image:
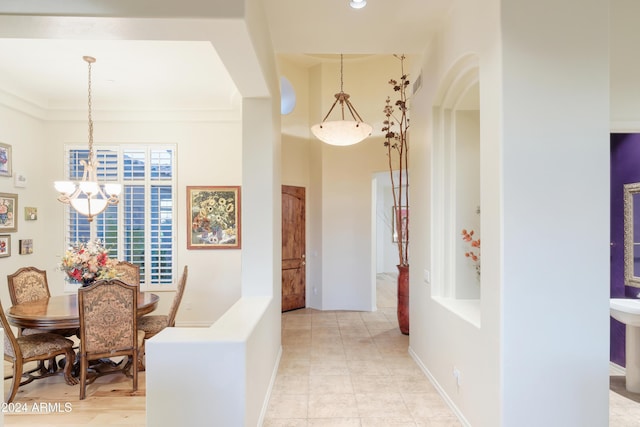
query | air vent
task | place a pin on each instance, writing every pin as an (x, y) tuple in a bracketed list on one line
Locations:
[(417, 84)]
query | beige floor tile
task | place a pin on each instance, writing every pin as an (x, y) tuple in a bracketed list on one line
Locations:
[(374, 384), (449, 421), (414, 383), (426, 405), (388, 422), (329, 367), (291, 384), (368, 367), (296, 422), (387, 405), (334, 422), (287, 406), (333, 406), (294, 367), (328, 384)]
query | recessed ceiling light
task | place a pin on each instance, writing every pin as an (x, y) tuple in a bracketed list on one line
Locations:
[(358, 4)]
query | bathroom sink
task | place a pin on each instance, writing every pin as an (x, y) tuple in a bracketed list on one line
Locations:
[(626, 310)]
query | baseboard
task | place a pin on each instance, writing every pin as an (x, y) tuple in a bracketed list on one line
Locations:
[(439, 389), (265, 404), (617, 369)]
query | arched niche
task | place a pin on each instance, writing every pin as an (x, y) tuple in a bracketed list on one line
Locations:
[(456, 183)]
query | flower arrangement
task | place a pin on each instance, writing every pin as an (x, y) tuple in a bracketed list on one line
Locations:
[(86, 262), (474, 252), (395, 129)]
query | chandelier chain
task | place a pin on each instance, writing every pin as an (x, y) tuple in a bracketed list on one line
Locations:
[(90, 118), (341, 75)]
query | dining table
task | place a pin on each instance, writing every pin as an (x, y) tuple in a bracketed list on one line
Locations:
[(61, 311)]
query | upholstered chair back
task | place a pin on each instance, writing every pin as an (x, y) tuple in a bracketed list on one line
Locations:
[(108, 311), (128, 272), (28, 284)]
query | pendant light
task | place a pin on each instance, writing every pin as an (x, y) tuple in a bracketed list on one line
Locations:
[(87, 196), (342, 132)]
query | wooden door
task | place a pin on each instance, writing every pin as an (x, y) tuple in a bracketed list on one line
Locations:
[(293, 248)]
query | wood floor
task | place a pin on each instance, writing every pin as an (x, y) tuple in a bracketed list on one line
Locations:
[(51, 402)]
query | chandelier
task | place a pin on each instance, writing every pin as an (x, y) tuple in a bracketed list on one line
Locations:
[(87, 196), (342, 132)]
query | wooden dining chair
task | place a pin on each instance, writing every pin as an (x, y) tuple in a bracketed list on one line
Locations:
[(30, 284), (36, 347), (108, 327), (154, 323), (128, 272)]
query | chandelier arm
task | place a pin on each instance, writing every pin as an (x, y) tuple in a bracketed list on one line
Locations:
[(354, 113), (331, 109)]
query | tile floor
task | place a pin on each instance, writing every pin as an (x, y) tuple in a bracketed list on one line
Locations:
[(352, 369)]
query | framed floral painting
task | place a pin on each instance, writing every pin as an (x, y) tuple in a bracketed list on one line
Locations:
[(8, 210), (5, 159), (5, 245), (213, 215)]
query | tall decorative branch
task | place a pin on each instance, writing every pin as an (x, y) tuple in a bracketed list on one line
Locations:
[(395, 129)]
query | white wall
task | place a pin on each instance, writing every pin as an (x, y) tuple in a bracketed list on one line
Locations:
[(544, 158), (573, 144), (25, 135)]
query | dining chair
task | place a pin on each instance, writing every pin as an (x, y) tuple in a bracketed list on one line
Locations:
[(153, 323), (36, 347), (128, 272), (108, 327), (30, 284)]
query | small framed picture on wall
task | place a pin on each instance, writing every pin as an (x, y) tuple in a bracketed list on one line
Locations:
[(26, 246), (8, 211), (5, 159), (5, 245)]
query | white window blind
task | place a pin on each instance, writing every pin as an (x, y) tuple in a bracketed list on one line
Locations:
[(141, 228)]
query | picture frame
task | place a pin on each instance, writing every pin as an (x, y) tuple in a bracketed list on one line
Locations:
[(25, 246), (20, 180), (5, 245), (30, 214), (8, 211), (214, 217), (5, 159), (403, 217)]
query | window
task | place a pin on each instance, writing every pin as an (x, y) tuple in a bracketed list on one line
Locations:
[(141, 228)]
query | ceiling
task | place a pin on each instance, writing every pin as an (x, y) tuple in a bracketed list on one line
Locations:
[(157, 74)]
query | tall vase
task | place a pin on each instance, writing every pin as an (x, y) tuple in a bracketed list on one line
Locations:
[(403, 298)]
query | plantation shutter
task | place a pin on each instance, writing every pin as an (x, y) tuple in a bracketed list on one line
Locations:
[(139, 229)]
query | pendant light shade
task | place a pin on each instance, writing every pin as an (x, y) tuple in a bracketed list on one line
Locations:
[(87, 196), (342, 132)]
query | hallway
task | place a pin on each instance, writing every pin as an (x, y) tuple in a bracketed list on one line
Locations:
[(343, 368), (353, 369)]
